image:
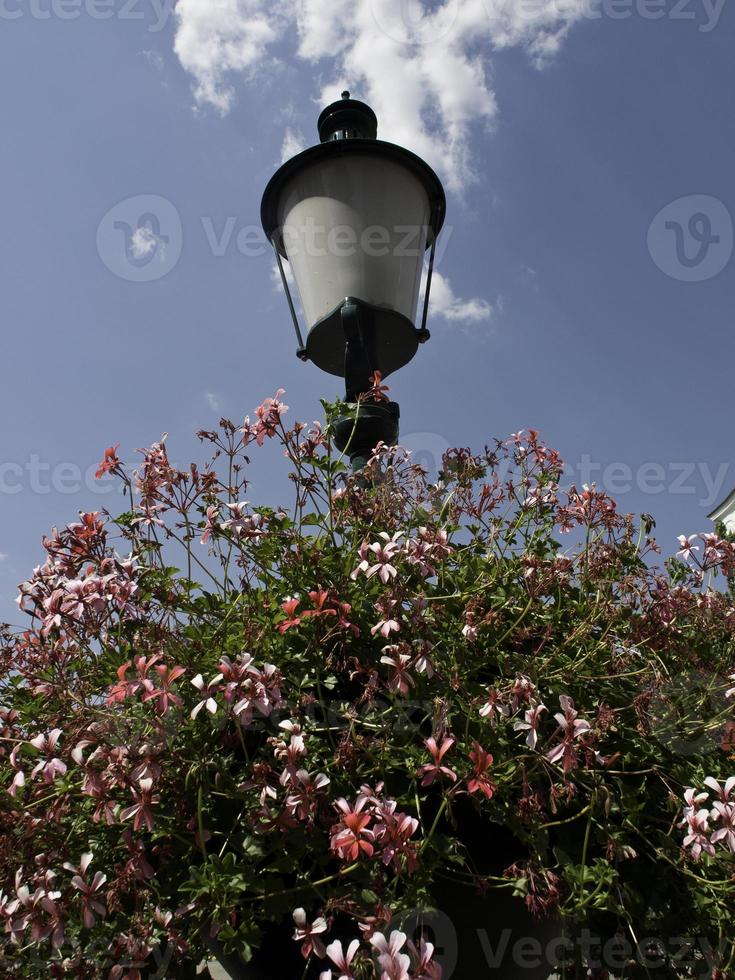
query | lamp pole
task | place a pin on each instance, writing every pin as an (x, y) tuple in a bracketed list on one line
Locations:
[(354, 217)]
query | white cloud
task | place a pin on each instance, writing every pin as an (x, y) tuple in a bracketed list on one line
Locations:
[(213, 401), (293, 142), (144, 242), (3, 556), (425, 72), (445, 304), (215, 38), (278, 282)]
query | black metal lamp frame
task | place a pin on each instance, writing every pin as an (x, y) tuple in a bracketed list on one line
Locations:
[(347, 127)]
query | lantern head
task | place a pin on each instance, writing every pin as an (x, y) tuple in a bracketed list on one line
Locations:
[(354, 216)]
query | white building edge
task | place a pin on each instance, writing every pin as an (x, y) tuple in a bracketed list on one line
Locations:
[(725, 513)]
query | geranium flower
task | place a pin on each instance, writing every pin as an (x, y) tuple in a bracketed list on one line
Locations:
[(208, 692), (433, 769), (49, 766), (290, 606), (393, 963), (163, 694), (723, 792), (572, 728), (341, 959), (686, 546), (141, 810), (698, 838), (92, 903), (109, 463), (531, 724), (351, 837), (479, 782), (380, 562), (400, 680), (309, 934)]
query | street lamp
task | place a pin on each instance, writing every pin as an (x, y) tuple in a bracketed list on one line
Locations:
[(354, 217)]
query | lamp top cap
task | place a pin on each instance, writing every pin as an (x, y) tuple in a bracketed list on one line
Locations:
[(347, 119)]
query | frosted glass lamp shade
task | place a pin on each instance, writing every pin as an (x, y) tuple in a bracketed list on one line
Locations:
[(353, 218)]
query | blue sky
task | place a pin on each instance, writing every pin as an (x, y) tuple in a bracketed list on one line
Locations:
[(587, 269)]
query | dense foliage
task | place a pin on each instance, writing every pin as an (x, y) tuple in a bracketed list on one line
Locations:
[(329, 713)]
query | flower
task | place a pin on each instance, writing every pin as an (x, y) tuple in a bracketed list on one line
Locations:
[(479, 783), (380, 563), (531, 724), (110, 462), (49, 767), (433, 769), (92, 903), (393, 963), (208, 691), (572, 728), (698, 838), (723, 792), (290, 606), (141, 809), (308, 935), (163, 695), (351, 837), (686, 546), (400, 681), (341, 959)]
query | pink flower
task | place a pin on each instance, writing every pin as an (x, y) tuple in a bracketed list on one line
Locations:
[(141, 809), (269, 416), (400, 680), (572, 728), (479, 782), (305, 789), (380, 562), (425, 968), (495, 704), (92, 903), (342, 960), (686, 546), (210, 524), (393, 963), (698, 837), (531, 724), (388, 624), (723, 792), (208, 691), (109, 463), (163, 695), (351, 837), (432, 770), (309, 935), (50, 767), (289, 607)]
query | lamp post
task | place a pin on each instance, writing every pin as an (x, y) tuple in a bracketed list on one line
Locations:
[(354, 217)]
